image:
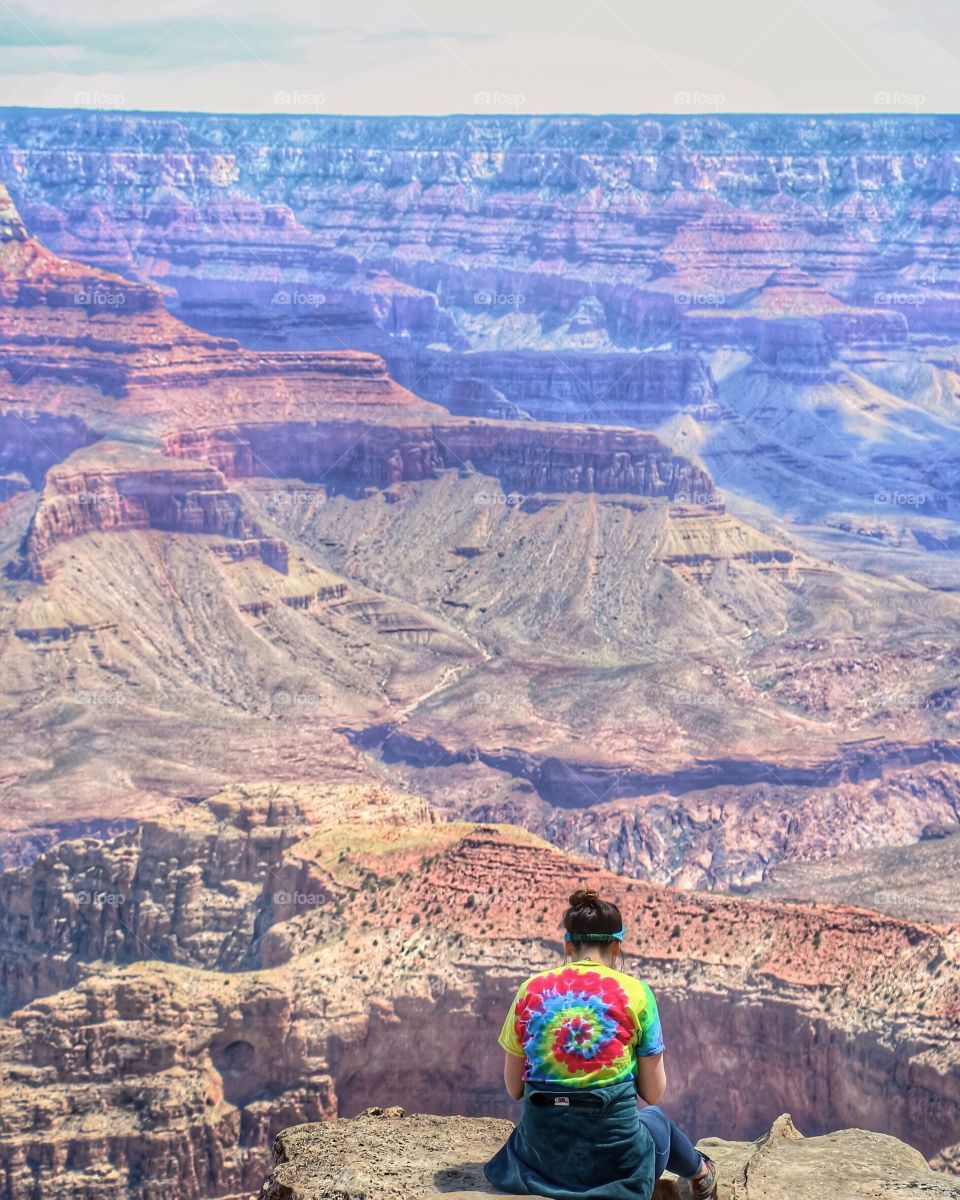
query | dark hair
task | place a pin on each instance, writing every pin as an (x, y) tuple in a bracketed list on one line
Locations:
[(589, 914)]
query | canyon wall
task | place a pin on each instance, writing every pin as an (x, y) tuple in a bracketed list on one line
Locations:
[(634, 389), (653, 660), (778, 293), (555, 624), (525, 457), (576, 216), (585, 233), (111, 496)]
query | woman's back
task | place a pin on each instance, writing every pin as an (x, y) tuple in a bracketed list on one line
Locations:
[(583, 1044), (582, 1025)]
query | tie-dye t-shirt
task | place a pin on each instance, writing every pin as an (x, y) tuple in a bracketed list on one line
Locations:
[(582, 1025)]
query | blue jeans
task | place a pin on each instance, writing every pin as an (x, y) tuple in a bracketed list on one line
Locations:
[(675, 1151)]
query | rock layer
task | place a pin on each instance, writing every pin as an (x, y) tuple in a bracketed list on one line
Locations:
[(110, 496), (779, 292), (526, 458), (643, 389), (641, 644)]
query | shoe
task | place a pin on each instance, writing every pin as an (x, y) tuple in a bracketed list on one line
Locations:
[(705, 1188)]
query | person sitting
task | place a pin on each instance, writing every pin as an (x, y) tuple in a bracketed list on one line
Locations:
[(582, 1043)]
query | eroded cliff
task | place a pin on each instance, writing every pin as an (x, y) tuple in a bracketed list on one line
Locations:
[(776, 292)]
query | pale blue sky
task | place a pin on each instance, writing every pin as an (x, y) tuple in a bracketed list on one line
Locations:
[(430, 56)]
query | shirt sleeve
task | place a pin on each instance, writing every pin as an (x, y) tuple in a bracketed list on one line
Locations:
[(649, 1033), (508, 1034)]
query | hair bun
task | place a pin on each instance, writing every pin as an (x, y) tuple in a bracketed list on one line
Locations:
[(583, 896)]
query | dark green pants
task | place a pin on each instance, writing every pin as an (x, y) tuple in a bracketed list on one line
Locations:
[(575, 1152)]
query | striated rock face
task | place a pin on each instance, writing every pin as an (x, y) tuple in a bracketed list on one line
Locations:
[(613, 228), (778, 293), (115, 897), (112, 498), (387, 1154), (127, 350), (643, 389), (527, 457), (555, 624)]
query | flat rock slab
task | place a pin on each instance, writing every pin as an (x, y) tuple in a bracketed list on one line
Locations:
[(386, 1155), (383, 1155)]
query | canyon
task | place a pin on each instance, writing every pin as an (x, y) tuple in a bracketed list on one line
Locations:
[(403, 520), (773, 295), (295, 550)]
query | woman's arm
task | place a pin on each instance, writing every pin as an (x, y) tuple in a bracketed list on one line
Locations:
[(651, 1078), (513, 1067)]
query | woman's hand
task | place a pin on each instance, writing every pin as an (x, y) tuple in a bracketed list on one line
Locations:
[(513, 1068), (651, 1078)]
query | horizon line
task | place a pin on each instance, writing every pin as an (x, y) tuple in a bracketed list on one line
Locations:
[(479, 116)]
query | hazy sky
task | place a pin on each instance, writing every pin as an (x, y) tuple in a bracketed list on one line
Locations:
[(431, 56)]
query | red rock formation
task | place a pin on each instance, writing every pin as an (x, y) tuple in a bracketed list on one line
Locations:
[(526, 457), (740, 267), (127, 350), (110, 496)]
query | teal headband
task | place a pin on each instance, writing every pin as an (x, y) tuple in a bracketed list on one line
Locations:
[(595, 937)]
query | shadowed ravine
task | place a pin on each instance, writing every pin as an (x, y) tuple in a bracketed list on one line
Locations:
[(580, 785)]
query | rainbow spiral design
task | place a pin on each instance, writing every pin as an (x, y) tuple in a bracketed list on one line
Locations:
[(573, 1023)]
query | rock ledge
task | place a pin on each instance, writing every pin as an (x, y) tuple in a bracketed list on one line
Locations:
[(386, 1155)]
